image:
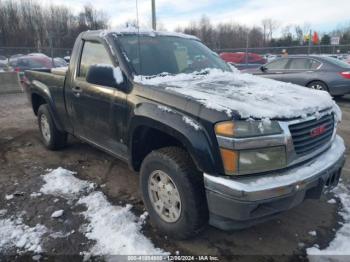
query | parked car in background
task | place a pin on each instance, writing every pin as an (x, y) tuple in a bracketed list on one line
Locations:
[(242, 60), (3, 66), (347, 59), (269, 57), (14, 57), (67, 59), (60, 62), (28, 62), (317, 72), (3, 59)]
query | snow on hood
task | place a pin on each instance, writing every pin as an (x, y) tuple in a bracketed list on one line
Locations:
[(248, 95)]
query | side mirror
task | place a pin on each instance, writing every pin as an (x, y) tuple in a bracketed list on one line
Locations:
[(263, 68), (105, 75)]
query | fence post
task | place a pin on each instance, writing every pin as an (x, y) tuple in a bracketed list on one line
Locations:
[(51, 49)]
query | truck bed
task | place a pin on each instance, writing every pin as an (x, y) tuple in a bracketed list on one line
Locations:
[(52, 78)]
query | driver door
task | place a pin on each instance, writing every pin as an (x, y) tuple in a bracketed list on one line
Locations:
[(90, 103), (275, 70)]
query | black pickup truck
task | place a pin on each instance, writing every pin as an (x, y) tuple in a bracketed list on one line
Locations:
[(211, 145)]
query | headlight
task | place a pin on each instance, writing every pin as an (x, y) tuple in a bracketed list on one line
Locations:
[(249, 161), (242, 129), (260, 160), (253, 160)]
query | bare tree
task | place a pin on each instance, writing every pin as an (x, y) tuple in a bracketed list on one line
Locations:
[(28, 23), (269, 28)]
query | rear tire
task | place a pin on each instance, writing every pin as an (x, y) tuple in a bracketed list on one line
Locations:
[(180, 208), (52, 138), (318, 85)]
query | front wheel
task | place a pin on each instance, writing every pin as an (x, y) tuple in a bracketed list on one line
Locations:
[(173, 193)]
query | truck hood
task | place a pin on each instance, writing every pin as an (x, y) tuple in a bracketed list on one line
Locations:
[(244, 94)]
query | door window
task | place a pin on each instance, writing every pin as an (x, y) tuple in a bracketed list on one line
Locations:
[(303, 64), (93, 54), (314, 64), (299, 64), (278, 64)]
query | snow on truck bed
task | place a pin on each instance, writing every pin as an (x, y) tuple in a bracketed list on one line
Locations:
[(248, 95)]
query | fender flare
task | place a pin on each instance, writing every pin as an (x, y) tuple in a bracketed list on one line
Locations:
[(43, 91), (172, 122)]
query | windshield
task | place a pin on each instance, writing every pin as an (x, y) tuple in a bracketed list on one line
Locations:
[(336, 62), (168, 54)]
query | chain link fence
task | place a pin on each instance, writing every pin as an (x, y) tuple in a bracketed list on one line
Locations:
[(293, 50), (54, 52), (297, 50), (8, 52)]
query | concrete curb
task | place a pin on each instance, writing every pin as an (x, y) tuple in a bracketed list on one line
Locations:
[(10, 83)]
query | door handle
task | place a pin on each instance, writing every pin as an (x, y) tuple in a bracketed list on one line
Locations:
[(77, 91)]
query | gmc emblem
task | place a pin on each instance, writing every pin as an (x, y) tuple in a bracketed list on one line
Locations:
[(318, 131)]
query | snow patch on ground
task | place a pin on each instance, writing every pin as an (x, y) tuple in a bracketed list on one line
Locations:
[(248, 95), (121, 226), (332, 201), (57, 213), (8, 197), (61, 182), (124, 236), (35, 194), (14, 233), (313, 233), (191, 122), (339, 247)]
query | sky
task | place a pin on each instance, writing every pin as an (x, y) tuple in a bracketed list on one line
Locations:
[(321, 15)]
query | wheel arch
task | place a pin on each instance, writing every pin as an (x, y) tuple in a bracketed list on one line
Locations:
[(317, 80), (162, 129)]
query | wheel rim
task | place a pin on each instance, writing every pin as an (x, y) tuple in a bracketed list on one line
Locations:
[(45, 128), (317, 87), (164, 196)]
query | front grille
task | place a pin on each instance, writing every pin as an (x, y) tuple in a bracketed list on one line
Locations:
[(306, 140)]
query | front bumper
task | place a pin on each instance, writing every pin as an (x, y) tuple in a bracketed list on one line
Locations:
[(244, 201)]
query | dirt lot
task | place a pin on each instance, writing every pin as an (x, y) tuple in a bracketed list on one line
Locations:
[(23, 160)]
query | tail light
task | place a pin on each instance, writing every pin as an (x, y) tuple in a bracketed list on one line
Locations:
[(345, 74), (17, 69)]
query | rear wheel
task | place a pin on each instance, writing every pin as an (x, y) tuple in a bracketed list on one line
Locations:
[(173, 193), (318, 85), (52, 138)]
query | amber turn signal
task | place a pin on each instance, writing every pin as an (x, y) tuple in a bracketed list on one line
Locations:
[(229, 159), (225, 128)]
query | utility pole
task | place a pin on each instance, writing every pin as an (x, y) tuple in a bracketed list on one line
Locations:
[(51, 49), (154, 19), (246, 47)]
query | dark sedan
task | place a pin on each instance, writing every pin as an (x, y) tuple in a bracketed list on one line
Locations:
[(317, 72)]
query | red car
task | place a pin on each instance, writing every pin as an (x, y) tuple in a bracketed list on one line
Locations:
[(243, 60)]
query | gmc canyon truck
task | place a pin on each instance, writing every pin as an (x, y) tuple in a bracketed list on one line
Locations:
[(211, 145)]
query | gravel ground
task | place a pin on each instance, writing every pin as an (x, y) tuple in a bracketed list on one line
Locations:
[(23, 160)]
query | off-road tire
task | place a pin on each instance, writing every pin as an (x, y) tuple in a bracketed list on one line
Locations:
[(57, 139), (178, 165)]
